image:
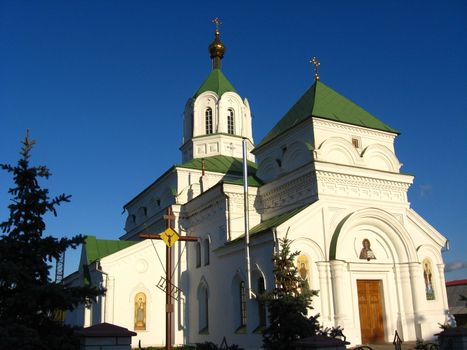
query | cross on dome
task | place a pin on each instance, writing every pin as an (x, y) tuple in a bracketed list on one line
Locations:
[(217, 22)]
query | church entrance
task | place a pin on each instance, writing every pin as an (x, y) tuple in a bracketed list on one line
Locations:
[(370, 305)]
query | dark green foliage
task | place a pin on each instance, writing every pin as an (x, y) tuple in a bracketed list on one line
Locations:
[(211, 346), (288, 304), (181, 347), (28, 298)]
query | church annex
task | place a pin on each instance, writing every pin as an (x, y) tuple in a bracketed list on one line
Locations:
[(326, 175)]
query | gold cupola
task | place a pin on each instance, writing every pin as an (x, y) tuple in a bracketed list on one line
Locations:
[(216, 48)]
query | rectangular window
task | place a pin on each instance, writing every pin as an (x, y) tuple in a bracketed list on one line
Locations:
[(208, 115), (230, 122), (242, 304), (355, 142)]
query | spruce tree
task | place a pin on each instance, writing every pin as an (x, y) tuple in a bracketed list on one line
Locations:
[(29, 299), (288, 303)]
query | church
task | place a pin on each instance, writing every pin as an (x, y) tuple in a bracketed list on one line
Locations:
[(326, 176)]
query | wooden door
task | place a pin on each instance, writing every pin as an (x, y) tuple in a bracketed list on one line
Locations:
[(370, 306)]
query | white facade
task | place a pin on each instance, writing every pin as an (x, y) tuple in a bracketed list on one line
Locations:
[(333, 188)]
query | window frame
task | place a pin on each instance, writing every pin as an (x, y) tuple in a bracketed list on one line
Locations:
[(242, 308), (231, 122), (208, 121)]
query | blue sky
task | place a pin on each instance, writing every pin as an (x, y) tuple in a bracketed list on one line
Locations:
[(102, 86)]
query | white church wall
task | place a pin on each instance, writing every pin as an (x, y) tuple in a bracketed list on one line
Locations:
[(356, 146), (288, 192), (306, 231), (146, 208), (131, 271), (207, 99), (199, 143), (235, 196), (373, 186), (223, 276), (397, 264), (231, 100), (276, 151), (191, 183), (325, 129)]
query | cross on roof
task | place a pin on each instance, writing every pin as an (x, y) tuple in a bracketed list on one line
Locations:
[(314, 61)]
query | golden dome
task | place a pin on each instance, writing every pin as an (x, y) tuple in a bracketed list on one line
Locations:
[(217, 48)]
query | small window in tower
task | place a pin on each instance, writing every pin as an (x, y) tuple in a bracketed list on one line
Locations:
[(355, 142), (231, 122), (208, 115)]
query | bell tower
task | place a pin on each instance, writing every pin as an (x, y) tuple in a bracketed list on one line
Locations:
[(216, 118)]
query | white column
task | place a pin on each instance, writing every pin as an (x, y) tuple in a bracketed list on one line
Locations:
[(87, 316), (406, 310), (325, 292), (338, 291), (418, 294)]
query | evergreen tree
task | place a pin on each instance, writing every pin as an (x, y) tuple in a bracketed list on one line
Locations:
[(28, 297), (288, 303)]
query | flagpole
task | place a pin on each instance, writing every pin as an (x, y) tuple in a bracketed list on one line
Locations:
[(247, 218)]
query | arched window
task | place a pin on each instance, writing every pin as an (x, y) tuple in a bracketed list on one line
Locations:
[(198, 254), (428, 277), (206, 251), (231, 122), (203, 308), (208, 115), (140, 311), (261, 304), (242, 304)]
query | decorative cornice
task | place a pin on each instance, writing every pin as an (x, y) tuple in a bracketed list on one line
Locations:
[(330, 183), (355, 129), (296, 190)]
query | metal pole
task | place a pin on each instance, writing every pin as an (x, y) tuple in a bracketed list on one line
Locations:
[(247, 218), (168, 299)]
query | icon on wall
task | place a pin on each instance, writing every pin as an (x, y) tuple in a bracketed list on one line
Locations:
[(366, 253), (427, 276)]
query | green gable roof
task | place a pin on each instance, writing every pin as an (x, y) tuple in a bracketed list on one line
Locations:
[(323, 102), (277, 220), (216, 82), (219, 164), (99, 248), (252, 180)]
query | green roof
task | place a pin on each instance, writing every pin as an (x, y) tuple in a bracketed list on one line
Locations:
[(216, 82), (323, 102), (252, 180), (277, 220), (99, 248), (220, 164)]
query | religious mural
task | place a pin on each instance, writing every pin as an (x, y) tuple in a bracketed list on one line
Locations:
[(303, 268), (366, 253), (428, 277), (140, 311)]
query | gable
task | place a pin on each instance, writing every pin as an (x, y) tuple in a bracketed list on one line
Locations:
[(323, 102), (96, 249)]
